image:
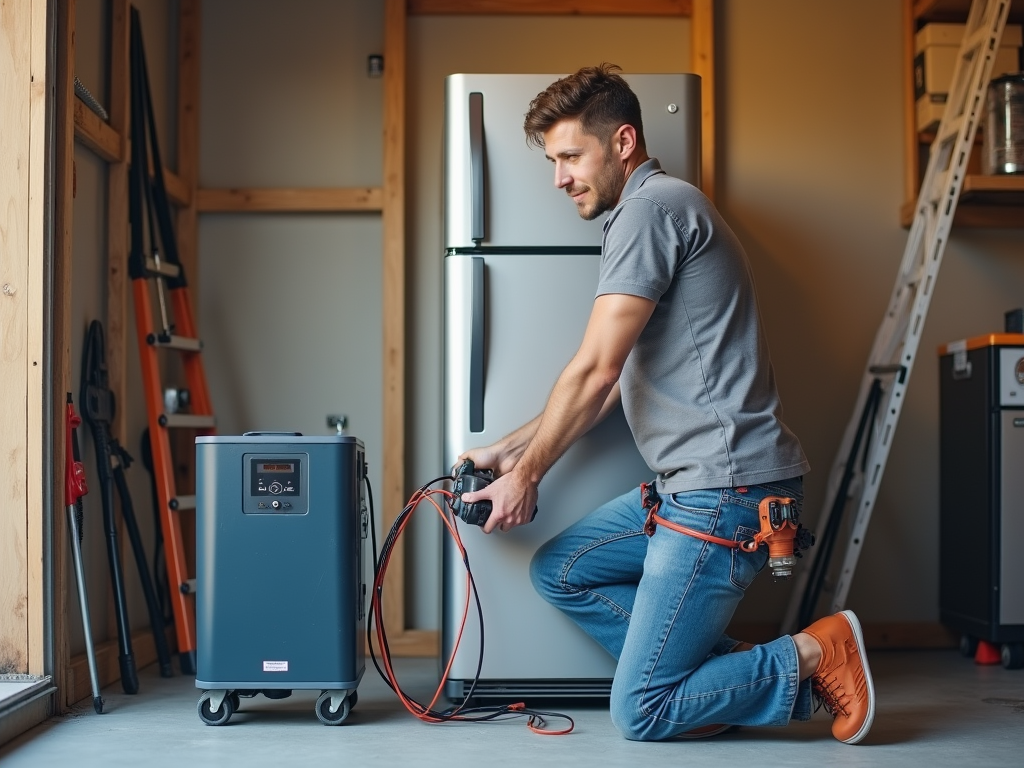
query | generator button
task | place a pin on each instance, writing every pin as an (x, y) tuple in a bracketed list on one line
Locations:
[(275, 504)]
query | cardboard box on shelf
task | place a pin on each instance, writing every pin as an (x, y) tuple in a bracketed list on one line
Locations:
[(935, 52)]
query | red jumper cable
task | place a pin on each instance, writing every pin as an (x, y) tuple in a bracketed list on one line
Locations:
[(536, 719)]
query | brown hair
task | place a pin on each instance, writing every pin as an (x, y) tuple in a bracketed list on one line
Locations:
[(596, 96)]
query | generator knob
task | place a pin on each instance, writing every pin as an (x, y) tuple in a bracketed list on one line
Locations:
[(275, 504), (275, 487)]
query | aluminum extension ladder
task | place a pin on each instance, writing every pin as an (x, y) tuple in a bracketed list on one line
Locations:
[(888, 369)]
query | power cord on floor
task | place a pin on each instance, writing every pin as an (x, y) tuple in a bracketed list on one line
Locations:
[(537, 720)]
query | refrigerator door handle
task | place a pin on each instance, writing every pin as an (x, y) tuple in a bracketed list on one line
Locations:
[(476, 350), (476, 165)]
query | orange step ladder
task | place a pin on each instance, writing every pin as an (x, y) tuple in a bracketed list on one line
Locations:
[(168, 327)]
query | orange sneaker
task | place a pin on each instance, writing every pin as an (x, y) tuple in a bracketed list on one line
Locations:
[(842, 681)]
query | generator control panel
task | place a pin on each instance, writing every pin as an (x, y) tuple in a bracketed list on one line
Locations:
[(276, 484)]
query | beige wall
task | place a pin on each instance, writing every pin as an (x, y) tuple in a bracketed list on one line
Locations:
[(289, 304), (811, 127)]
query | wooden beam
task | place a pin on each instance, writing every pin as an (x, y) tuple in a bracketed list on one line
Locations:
[(60, 371), (16, 70), (96, 134), (117, 244), (179, 192), (38, 549), (552, 7), (109, 144), (336, 199), (99, 137), (911, 154), (118, 294), (188, 138), (702, 48), (393, 304)]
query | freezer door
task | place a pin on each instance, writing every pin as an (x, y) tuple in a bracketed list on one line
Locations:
[(500, 192), (533, 310)]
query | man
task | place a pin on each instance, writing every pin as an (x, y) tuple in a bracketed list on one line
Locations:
[(675, 335)]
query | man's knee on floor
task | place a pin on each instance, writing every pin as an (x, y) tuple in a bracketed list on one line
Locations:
[(629, 718), (641, 715)]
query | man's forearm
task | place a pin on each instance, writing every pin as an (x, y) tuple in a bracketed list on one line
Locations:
[(580, 397), (514, 444)]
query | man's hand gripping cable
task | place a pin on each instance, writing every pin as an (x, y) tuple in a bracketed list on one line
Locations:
[(536, 721)]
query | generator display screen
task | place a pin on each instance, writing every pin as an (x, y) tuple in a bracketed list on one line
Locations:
[(274, 478), (267, 467)]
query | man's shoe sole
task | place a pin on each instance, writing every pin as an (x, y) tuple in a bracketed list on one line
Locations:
[(706, 731), (859, 637)]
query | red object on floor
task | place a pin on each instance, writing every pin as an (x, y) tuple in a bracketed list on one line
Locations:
[(987, 653)]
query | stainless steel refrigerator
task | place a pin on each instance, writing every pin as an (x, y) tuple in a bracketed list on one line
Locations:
[(521, 272)]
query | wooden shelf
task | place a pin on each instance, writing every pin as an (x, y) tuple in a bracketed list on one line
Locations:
[(985, 201), (955, 11), (553, 7), (994, 190)]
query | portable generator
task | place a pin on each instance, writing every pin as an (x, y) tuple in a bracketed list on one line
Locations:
[(281, 523)]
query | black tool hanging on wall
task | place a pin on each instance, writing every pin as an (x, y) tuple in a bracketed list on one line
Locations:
[(98, 409)]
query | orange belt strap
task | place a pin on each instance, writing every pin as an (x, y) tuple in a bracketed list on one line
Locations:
[(652, 502)]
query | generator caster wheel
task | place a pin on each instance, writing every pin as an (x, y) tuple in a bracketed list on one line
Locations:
[(327, 700), (224, 711), (1013, 655), (968, 646)]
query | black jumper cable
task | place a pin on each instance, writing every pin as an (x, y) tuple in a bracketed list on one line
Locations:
[(537, 719)]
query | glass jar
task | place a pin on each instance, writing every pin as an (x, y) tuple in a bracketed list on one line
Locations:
[(1003, 145)]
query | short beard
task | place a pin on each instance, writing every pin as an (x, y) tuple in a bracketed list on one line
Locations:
[(607, 187), (604, 203)]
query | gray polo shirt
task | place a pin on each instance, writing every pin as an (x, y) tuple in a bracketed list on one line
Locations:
[(698, 388)]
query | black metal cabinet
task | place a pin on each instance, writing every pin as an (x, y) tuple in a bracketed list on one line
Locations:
[(981, 580)]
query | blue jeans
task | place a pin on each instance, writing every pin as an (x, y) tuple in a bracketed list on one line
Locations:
[(661, 604)]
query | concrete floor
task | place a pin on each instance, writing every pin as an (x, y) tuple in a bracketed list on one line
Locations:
[(934, 709)]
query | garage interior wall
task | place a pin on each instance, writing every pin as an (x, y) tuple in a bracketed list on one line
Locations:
[(89, 302), (811, 162), (810, 122), (289, 304)]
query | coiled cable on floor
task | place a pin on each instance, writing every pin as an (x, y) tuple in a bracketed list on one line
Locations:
[(440, 500)]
